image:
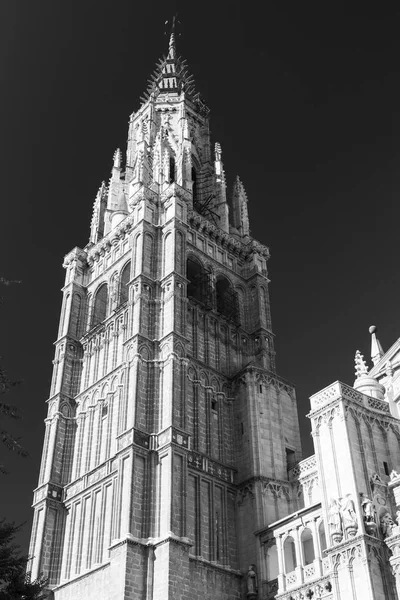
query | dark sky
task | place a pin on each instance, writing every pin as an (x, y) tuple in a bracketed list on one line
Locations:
[(305, 102)]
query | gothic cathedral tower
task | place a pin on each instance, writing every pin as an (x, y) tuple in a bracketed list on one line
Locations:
[(169, 434)]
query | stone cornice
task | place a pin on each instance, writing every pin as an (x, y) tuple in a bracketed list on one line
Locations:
[(331, 397), (263, 479), (89, 573), (304, 467), (176, 190), (267, 376), (231, 243), (215, 566), (74, 255), (105, 244), (143, 193)]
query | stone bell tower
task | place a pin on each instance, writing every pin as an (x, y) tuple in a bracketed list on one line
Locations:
[(169, 434)]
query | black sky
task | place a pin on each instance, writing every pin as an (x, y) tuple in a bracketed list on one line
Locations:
[(304, 100)]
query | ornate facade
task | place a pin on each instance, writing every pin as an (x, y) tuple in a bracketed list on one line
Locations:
[(171, 455)]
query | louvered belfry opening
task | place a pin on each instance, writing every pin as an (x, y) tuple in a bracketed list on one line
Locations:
[(227, 301), (100, 305), (199, 287)]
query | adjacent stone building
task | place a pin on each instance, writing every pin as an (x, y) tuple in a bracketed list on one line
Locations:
[(170, 465)]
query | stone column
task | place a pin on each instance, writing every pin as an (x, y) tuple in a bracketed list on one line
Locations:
[(281, 576), (317, 550), (299, 556), (393, 541)]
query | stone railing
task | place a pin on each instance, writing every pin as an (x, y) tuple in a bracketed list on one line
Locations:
[(309, 572), (304, 467), (291, 579), (341, 390)]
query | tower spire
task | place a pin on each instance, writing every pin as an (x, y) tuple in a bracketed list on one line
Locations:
[(376, 348), (171, 74), (172, 40)]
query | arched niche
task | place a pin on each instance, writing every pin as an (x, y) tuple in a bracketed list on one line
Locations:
[(99, 312), (307, 544), (172, 169), (199, 285), (289, 553), (322, 537), (227, 303), (272, 562), (195, 191), (124, 287)]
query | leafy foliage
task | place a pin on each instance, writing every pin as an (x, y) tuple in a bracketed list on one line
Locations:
[(6, 410), (14, 583)]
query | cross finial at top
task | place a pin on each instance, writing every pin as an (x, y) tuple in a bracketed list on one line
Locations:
[(172, 34), (174, 23)]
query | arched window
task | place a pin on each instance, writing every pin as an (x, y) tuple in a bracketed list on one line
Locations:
[(124, 287), (100, 305), (322, 537), (199, 286), (272, 563), (194, 185), (172, 169), (289, 552), (308, 546), (227, 303)]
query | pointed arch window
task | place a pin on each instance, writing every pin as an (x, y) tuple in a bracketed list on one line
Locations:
[(308, 546), (100, 305), (272, 562), (227, 302), (199, 286), (322, 537), (289, 552), (172, 169), (194, 185), (124, 286)]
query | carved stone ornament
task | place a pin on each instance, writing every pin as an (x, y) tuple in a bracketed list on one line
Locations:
[(349, 517), (252, 582), (335, 522), (387, 525), (369, 514)]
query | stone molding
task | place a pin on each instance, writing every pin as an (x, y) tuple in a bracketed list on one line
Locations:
[(74, 255), (304, 467), (227, 241), (82, 576), (215, 566), (265, 376), (341, 391), (200, 462), (296, 593)]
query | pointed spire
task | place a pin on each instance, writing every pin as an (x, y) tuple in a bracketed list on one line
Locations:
[(117, 159), (361, 365), (240, 216), (171, 74), (172, 46), (99, 205), (376, 348)]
